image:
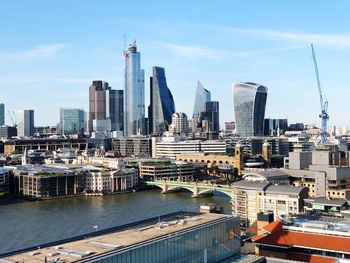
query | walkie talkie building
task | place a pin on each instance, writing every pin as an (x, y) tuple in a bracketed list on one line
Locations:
[(249, 106)]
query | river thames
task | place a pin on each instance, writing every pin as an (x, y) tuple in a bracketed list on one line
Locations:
[(27, 224)]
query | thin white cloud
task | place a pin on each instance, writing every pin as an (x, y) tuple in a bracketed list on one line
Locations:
[(193, 51), (38, 52)]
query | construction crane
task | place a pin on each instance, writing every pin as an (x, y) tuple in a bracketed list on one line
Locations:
[(324, 103)]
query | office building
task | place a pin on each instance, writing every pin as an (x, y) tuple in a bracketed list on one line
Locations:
[(72, 121), (2, 114), (115, 108), (179, 123), (165, 238), (97, 102), (249, 107), (275, 127), (202, 96), (4, 181), (7, 132), (162, 104), (134, 93), (133, 146), (211, 115), (306, 239), (25, 123)]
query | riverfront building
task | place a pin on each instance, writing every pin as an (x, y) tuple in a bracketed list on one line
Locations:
[(25, 123), (4, 181), (162, 105), (134, 93), (170, 238), (249, 106), (72, 121)]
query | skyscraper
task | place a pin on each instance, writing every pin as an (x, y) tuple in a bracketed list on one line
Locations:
[(115, 108), (97, 101), (134, 93), (202, 96), (249, 106), (212, 115), (162, 104), (2, 114), (72, 121), (25, 123), (179, 123)]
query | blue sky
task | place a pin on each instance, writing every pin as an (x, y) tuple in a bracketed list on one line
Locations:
[(50, 51)]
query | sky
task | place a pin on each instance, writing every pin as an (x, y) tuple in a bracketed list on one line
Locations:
[(50, 51)]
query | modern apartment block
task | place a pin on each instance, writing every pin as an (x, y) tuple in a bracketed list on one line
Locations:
[(249, 106), (325, 171), (25, 123), (4, 181), (250, 198)]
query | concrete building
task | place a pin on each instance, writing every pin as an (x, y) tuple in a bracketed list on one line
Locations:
[(72, 121), (25, 123), (164, 238), (107, 181), (42, 182), (179, 124), (249, 106), (324, 171), (2, 114), (170, 170), (306, 239), (133, 146), (134, 93), (250, 198)]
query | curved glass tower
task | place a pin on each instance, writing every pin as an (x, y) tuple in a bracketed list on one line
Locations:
[(202, 96), (249, 106), (162, 102), (134, 100)]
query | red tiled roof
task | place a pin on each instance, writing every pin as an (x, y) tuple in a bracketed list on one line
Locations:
[(310, 258), (278, 236)]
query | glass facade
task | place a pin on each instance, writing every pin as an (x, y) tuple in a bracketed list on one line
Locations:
[(134, 93), (115, 108), (202, 96), (249, 106), (212, 115), (162, 102), (214, 241), (72, 121), (25, 123), (2, 114)]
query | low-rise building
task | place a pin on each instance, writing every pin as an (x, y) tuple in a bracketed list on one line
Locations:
[(303, 237), (42, 181), (252, 197), (274, 176), (4, 181), (324, 206)]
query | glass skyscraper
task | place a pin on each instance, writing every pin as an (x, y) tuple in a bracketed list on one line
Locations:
[(162, 103), (115, 108), (134, 93), (202, 96), (97, 102), (249, 106), (2, 114), (72, 121), (25, 123)]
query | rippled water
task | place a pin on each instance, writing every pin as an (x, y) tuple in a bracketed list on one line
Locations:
[(30, 223)]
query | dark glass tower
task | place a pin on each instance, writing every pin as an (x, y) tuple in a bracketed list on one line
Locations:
[(162, 105), (115, 108), (249, 106)]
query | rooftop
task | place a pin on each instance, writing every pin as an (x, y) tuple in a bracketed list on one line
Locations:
[(114, 240), (251, 185), (285, 189), (325, 201)]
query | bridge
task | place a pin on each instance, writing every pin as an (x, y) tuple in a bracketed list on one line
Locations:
[(197, 189)]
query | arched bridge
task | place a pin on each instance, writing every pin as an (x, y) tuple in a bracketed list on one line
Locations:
[(196, 188)]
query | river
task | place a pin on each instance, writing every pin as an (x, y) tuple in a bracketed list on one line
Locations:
[(26, 224)]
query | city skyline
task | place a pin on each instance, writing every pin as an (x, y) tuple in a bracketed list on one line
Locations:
[(50, 66)]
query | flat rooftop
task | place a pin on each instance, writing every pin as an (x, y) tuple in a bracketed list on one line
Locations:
[(111, 241)]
